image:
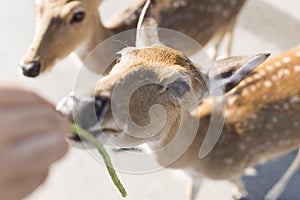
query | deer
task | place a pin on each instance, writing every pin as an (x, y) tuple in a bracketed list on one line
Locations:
[(65, 26), (178, 86), (262, 117)]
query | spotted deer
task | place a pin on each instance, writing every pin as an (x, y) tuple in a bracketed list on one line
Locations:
[(179, 85), (64, 26), (261, 119)]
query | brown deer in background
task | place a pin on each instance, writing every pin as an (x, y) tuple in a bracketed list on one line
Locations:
[(64, 26)]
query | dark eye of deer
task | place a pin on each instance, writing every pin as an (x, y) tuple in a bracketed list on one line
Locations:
[(77, 17)]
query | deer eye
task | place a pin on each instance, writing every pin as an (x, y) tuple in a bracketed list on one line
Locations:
[(78, 17), (179, 88)]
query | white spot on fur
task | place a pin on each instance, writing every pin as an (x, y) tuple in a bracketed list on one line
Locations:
[(296, 124), (286, 59), (253, 151), (248, 139), (295, 99), (277, 64), (253, 88), (284, 142), (298, 54), (274, 119), (265, 146), (245, 92), (232, 100), (269, 127), (262, 72), (242, 147), (225, 13), (264, 97), (297, 68), (276, 106), (286, 72), (286, 106), (269, 67), (274, 78), (252, 127), (257, 76), (228, 161), (254, 116), (268, 83)]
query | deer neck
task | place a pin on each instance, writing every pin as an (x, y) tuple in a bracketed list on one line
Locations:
[(175, 142), (97, 34)]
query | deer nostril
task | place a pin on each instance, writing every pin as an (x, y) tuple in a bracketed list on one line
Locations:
[(32, 69)]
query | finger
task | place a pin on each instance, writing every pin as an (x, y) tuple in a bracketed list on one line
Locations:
[(18, 187), (34, 153), (20, 123)]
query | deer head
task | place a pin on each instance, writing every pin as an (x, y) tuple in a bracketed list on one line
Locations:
[(176, 80), (62, 25)]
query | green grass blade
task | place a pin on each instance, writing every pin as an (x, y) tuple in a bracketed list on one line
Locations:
[(76, 129)]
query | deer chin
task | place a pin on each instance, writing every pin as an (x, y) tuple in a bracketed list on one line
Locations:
[(34, 66), (49, 63), (106, 136), (118, 138)]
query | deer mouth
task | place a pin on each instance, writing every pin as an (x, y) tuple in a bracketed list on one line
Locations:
[(95, 133)]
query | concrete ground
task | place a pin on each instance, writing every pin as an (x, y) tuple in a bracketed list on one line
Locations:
[(264, 26)]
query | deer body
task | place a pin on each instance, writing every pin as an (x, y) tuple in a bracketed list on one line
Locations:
[(67, 26), (261, 120), (200, 19)]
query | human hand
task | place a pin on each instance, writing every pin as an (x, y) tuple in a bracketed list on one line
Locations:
[(32, 137)]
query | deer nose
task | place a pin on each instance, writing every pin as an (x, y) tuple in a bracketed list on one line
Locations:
[(32, 69), (66, 108)]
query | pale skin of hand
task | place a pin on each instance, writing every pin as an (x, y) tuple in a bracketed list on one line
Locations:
[(32, 137)]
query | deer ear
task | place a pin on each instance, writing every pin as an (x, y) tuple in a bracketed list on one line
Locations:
[(147, 29), (231, 71)]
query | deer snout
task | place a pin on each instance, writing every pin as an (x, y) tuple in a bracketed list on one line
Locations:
[(87, 112), (65, 107), (31, 69)]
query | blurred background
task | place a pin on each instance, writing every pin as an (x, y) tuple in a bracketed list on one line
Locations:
[(263, 26)]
